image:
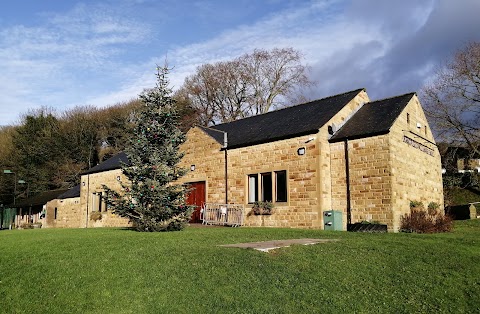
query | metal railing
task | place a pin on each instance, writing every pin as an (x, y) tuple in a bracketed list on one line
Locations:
[(222, 214)]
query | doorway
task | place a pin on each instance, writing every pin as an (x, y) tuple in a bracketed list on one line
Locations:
[(196, 197)]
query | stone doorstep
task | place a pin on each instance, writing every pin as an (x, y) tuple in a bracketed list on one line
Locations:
[(266, 246)]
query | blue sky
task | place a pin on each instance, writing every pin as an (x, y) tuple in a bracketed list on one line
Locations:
[(61, 53)]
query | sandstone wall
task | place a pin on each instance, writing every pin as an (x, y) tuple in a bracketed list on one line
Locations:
[(205, 153), (416, 163), (329, 171), (90, 187), (388, 171), (69, 214), (369, 176)]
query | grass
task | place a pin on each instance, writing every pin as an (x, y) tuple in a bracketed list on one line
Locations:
[(122, 271), (459, 196)]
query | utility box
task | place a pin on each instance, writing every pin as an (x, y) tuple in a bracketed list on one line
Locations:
[(332, 220)]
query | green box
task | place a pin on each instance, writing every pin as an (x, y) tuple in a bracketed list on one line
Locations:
[(332, 220)]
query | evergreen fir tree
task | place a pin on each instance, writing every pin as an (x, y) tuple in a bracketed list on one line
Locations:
[(151, 200)]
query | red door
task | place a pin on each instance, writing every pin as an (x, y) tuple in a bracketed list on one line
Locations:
[(196, 197)]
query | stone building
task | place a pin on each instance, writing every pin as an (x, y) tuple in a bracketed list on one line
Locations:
[(365, 159), (64, 210), (344, 152), (33, 209), (74, 208)]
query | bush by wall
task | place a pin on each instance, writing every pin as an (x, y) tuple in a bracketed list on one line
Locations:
[(425, 221)]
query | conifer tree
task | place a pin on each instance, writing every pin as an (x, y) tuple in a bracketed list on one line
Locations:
[(151, 199)]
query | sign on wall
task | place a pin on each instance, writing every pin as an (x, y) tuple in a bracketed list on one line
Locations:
[(418, 145)]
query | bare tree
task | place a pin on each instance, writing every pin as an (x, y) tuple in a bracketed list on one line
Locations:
[(452, 100), (274, 73), (248, 85)]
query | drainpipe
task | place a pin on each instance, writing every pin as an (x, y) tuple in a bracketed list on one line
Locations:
[(347, 178), (225, 144), (88, 198)]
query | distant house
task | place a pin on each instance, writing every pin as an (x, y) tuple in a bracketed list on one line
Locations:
[(365, 159), (458, 159), (74, 208), (33, 209), (64, 210)]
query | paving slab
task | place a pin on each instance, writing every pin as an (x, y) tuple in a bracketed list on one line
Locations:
[(266, 246)]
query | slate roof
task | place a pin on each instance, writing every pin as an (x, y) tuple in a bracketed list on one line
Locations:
[(374, 118), (216, 134), (112, 163), (39, 199), (281, 124), (73, 192)]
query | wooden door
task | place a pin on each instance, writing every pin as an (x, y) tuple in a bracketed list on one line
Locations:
[(196, 197)]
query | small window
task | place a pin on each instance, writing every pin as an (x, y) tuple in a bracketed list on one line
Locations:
[(97, 202), (252, 188), (267, 187), (408, 118), (55, 214), (425, 127), (281, 186)]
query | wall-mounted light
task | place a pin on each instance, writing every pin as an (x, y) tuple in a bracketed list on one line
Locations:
[(118, 178), (192, 167), (309, 140), (301, 151), (83, 183)]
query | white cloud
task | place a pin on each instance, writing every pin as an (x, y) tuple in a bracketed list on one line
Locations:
[(80, 57), (47, 64)]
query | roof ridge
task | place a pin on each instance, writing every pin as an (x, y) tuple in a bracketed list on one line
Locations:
[(210, 128), (374, 118), (285, 108), (393, 97)]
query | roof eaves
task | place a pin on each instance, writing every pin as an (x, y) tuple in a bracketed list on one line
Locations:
[(113, 163), (273, 139), (358, 136), (92, 171)]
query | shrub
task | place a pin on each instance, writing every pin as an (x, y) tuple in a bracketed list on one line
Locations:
[(96, 216), (432, 206), (262, 208), (416, 204), (421, 221), (26, 225)]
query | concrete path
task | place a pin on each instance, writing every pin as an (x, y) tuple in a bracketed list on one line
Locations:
[(266, 246)]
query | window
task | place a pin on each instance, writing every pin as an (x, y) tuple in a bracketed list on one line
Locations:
[(55, 214), (252, 188), (281, 186), (267, 187), (425, 128), (408, 118), (97, 201), (273, 186)]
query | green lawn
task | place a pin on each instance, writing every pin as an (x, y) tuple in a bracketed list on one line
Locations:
[(459, 196), (122, 271)]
